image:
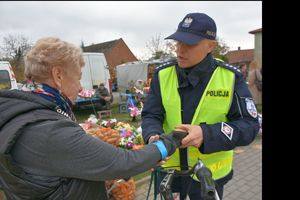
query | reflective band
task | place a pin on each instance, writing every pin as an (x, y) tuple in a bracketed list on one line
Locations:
[(161, 147)]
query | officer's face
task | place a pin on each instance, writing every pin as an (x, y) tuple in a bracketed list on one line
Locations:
[(190, 55)]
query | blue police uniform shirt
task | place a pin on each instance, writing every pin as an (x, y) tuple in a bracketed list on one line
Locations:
[(192, 82)]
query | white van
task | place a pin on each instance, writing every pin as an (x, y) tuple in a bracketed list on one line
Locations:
[(7, 77), (94, 72)]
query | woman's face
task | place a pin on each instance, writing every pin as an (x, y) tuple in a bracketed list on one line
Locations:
[(71, 86)]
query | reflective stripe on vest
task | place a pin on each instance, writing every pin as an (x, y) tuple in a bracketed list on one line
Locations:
[(212, 108)]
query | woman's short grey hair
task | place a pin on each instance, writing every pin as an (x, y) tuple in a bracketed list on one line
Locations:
[(49, 52)]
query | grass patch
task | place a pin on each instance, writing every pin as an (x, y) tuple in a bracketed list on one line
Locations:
[(142, 175), (83, 114)]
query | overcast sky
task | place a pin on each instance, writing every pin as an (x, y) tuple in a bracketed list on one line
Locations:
[(135, 22)]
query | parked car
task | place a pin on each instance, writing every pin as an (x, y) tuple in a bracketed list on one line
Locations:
[(7, 77)]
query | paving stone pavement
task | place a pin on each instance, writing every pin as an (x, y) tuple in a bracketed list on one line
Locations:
[(247, 178)]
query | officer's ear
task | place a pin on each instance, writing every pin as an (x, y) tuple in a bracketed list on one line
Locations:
[(211, 45)]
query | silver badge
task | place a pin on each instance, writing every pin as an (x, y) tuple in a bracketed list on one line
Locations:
[(251, 109), (187, 22), (210, 33), (227, 130)]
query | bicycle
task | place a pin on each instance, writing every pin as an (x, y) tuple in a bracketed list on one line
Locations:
[(204, 175)]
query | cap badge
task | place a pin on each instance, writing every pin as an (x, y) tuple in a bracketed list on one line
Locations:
[(187, 22), (211, 33)]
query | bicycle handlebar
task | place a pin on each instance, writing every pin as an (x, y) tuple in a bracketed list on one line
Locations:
[(204, 175)]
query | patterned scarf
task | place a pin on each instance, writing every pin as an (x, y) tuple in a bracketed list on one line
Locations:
[(51, 94)]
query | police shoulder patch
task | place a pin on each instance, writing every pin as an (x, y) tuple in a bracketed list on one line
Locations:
[(165, 65), (228, 66), (250, 106), (227, 130)]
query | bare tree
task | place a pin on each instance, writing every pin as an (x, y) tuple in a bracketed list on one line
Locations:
[(14, 49), (160, 48), (221, 50), (82, 45), (171, 47)]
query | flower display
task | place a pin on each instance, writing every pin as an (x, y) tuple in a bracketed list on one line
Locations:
[(141, 87), (89, 123), (110, 123), (134, 111), (146, 87), (85, 93), (130, 137), (119, 134)]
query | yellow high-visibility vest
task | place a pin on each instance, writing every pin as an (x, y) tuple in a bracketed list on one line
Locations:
[(212, 108)]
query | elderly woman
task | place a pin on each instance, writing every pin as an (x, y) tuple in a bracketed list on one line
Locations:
[(44, 153)]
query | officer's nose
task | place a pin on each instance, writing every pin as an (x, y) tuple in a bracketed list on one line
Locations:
[(178, 47), (181, 47)]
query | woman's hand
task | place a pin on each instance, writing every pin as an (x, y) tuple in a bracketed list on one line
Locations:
[(153, 139)]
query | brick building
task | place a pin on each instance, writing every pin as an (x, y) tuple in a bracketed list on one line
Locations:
[(116, 52), (239, 57)]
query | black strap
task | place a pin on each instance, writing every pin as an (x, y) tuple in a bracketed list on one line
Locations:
[(183, 159)]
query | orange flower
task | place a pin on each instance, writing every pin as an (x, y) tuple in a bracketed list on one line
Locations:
[(137, 146)]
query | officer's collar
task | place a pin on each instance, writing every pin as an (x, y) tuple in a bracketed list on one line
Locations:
[(196, 72)]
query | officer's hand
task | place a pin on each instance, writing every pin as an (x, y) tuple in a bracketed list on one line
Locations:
[(172, 140), (153, 138), (194, 137)]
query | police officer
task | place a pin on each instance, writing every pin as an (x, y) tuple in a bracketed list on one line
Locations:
[(204, 96)]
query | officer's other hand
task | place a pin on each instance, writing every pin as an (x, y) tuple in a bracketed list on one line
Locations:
[(194, 137), (153, 138)]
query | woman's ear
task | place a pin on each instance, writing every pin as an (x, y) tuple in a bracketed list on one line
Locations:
[(57, 75)]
